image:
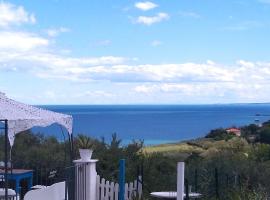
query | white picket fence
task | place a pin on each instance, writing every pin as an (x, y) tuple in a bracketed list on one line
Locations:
[(109, 190)]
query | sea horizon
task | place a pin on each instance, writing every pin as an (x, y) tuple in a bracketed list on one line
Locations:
[(157, 124), (151, 104)]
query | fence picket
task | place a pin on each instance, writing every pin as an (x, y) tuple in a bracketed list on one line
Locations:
[(98, 187), (135, 188), (140, 187), (116, 191), (110, 191), (126, 191), (102, 193), (107, 190), (131, 190)]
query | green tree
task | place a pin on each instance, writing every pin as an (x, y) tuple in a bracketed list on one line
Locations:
[(265, 135), (219, 134)]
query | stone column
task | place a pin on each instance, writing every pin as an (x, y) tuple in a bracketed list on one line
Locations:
[(85, 179)]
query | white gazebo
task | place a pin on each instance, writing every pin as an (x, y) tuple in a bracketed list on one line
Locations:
[(18, 117)]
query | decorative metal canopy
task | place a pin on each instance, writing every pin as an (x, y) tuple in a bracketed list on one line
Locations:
[(22, 117)]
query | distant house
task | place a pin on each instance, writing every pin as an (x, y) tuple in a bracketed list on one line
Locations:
[(252, 138), (234, 131)]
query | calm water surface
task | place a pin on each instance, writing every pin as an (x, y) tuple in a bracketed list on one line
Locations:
[(157, 124)]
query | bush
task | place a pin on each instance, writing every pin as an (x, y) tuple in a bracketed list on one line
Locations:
[(265, 135), (219, 134)]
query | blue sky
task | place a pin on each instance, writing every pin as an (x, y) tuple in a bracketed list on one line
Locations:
[(135, 52)]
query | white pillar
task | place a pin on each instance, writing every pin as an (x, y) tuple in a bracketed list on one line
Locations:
[(180, 180), (86, 174)]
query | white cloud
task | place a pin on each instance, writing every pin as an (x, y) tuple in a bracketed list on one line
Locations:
[(146, 20), (243, 26), (183, 88), (20, 41), (57, 31), (264, 1), (174, 77), (103, 43), (98, 93), (208, 92), (145, 6), (49, 94), (156, 43), (48, 65), (14, 15), (31, 54), (189, 14), (145, 89), (244, 81)]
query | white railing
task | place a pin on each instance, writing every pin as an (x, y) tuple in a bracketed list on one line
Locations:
[(109, 190)]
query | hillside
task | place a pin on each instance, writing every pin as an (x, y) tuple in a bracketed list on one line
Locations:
[(215, 141), (203, 147)]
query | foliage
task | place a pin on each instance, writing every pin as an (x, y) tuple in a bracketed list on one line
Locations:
[(37, 151), (181, 148), (219, 134), (249, 130), (84, 142), (242, 166), (265, 135)]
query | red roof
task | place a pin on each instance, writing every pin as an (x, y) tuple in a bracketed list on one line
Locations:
[(233, 129)]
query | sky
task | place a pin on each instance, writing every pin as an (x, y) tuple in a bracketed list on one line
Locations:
[(135, 52)]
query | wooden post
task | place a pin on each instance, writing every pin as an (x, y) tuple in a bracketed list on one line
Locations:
[(180, 180), (122, 180)]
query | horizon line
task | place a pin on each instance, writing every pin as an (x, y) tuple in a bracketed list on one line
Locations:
[(152, 104)]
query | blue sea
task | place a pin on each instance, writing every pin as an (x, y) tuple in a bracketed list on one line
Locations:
[(156, 124)]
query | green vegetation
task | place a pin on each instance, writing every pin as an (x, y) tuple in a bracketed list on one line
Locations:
[(219, 134), (183, 147), (84, 142), (240, 165)]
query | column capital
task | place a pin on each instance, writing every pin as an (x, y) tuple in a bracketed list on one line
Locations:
[(80, 161)]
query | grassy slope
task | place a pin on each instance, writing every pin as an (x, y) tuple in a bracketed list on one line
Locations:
[(200, 146), (182, 147)]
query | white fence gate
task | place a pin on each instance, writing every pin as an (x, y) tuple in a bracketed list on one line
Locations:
[(109, 190)]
